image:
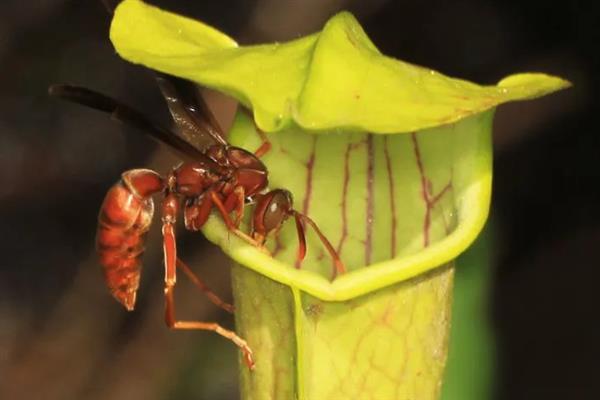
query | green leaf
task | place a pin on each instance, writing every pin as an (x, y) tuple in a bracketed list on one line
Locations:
[(393, 162), (332, 79)]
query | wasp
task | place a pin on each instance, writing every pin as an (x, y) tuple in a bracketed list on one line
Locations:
[(215, 176)]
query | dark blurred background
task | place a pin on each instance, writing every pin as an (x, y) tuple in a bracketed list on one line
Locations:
[(63, 337)]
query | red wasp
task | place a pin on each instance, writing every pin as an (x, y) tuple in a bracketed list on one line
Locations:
[(217, 175)]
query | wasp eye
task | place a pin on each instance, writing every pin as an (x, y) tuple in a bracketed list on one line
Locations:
[(278, 210)]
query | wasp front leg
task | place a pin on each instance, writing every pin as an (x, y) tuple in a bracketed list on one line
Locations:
[(216, 200), (198, 210), (236, 200)]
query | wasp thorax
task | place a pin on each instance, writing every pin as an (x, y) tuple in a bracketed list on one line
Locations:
[(241, 158), (193, 178)]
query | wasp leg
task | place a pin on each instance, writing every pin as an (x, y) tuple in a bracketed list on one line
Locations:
[(265, 147), (230, 225), (214, 298), (170, 207), (195, 214), (236, 199), (173, 323)]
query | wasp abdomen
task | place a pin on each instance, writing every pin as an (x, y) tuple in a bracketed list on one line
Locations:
[(124, 219)]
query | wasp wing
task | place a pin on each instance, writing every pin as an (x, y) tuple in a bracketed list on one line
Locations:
[(194, 121)]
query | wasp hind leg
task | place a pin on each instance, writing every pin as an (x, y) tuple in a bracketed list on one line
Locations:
[(199, 283), (173, 323), (170, 208)]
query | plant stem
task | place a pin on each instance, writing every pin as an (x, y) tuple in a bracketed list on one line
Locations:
[(390, 344)]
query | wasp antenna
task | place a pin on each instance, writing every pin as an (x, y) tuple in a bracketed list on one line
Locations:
[(127, 115), (83, 96)]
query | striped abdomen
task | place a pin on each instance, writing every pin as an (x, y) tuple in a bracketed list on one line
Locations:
[(124, 219)]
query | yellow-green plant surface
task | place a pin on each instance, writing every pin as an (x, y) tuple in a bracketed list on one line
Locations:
[(393, 161)]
